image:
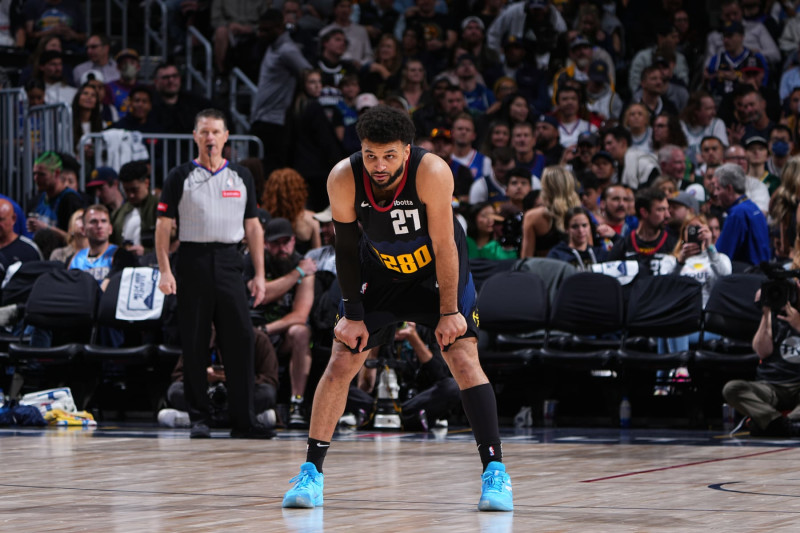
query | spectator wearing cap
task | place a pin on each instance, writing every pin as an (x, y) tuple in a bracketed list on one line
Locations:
[(755, 75), (281, 66), (134, 222), (442, 139), (287, 304), (359, 48), (464, 136), (666, 38), (581, 55), (519, 16), (744, 236), (601, 99), (64, 18), (635, 168), (119, 90), (478, 97), (98, 49), (681, 206), (723, 69), (473, 39), (56, 90), (578, 157), (602, 167), (324, 256), (570, 116), (547, 139), (757, 150), (519, 63), (755, 34), (378, 17), (104, 185)]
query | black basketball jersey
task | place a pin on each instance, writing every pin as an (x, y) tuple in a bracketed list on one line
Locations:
[(397, 234)]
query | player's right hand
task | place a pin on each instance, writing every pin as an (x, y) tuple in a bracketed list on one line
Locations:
[(352, 334), (166, 283)]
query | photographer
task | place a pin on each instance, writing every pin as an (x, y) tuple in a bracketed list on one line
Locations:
[(777, 385)]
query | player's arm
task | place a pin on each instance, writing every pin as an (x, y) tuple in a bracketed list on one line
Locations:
[(342, 193), (167, 280), (435, 189), (301, 308)]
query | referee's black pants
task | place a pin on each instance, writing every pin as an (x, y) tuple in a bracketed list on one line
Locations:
[(211, 288)]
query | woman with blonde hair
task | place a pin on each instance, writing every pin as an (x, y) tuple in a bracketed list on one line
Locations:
[(637, 120), (784, 208), (285, 195), (76, 239), (543, 227)]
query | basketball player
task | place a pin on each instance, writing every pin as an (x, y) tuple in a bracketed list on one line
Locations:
[(410, 264)]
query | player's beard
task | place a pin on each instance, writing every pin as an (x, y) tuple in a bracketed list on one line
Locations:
[(392, 178)]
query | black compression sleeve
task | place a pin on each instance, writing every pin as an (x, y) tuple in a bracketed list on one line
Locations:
[(348, 268)]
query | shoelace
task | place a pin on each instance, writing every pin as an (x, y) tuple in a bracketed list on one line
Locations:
[(494, 481), (303, 479)]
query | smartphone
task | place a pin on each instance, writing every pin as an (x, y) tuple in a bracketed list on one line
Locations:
[(693, 234)]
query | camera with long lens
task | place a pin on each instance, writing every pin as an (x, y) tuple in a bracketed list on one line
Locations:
[(780, 288)]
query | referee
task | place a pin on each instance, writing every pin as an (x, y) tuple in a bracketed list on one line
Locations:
[(214, 203)]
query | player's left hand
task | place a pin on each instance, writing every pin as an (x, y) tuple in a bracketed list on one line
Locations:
[(258, 290), (449, 329)]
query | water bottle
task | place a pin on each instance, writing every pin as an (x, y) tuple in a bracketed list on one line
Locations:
[(625, 413)]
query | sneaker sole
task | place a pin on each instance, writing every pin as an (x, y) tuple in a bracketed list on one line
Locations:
[(488, 505), (299, 502)]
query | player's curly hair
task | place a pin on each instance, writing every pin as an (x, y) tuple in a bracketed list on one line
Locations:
[(383, 125), (285, 194)]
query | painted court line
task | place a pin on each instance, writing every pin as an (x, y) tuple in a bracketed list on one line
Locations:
[(685, 465)]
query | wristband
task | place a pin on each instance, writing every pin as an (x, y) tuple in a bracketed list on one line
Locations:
[(449, 314), (353, 310), (302, 274)]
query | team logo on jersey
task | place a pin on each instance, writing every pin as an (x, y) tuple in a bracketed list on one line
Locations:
[(365, 204), (162, 207), (475, 318), (231, 194)]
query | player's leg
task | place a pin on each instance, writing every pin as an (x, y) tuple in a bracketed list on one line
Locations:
[(480, 406), (329, 403)]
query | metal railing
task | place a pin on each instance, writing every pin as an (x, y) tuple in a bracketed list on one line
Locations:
[(154, 37), (247, 89), (109, 17), (15, 144), (50, 128), (166, 151), (192, 74)]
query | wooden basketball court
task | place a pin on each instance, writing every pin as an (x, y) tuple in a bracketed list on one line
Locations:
[(147, 479)]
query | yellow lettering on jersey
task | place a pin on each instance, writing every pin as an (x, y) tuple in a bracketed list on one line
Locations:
[(407, 263), (475, 318)]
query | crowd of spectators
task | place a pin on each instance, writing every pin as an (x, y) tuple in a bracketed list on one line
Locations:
[(658, 133)]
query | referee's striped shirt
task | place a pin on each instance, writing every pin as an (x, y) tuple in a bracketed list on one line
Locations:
[(210, 206)]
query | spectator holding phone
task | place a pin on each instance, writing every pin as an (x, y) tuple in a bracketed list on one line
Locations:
[(694, 256)]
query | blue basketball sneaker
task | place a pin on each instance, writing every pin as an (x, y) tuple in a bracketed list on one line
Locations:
[(496, 492), (307, 491)]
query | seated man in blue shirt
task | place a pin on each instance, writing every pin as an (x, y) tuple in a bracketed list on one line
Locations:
[(745, 235)]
